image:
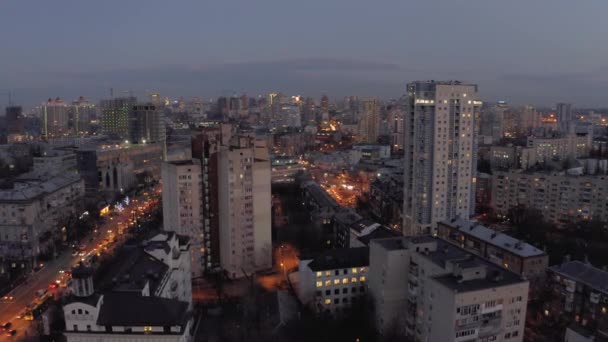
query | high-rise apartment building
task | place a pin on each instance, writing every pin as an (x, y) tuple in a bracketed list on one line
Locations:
[(430, 290), (146, 124), (564, 116), (81, 113), (244, 207), (182, 205), (54, 116), (115, 116), (369, 121), (14, 120), (440, 153)]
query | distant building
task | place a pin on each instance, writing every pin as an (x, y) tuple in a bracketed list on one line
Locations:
[(561, 148), (369, 121), (565, 118), (14, 120), (55, 162), (115, 116), (396, 127), (82, 113), (560, 198), (578, 333), (430, 290), (55, 118), (334, 280), (113, 168), (145, 295), (146, 124), (440, 153)]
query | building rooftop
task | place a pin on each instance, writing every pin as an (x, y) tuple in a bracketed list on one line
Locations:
[(583, 273), (340, 258), (492, 237), (27, 189), (130, 271), (320, 195), (182, 162), (381, 232), (126, 309)]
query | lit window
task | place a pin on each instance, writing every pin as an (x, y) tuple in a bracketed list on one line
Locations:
[(362, 270), (327, 301), (319, 283), (327, 273), (604, 310), (506, 265), (362, 278), (319, 274), (354, 270), (147, 329), (353, 279), (344, 280), (336, 281), (328, 283)]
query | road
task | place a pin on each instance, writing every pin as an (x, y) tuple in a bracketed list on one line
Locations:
[(25, 293)]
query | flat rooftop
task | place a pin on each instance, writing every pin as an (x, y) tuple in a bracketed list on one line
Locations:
[(583, 273), (494, 238)]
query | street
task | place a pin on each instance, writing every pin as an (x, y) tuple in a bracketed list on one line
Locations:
[(25, 293)]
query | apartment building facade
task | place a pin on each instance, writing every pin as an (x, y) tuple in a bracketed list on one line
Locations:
[(440, 153), (561, 198), (430, 290)]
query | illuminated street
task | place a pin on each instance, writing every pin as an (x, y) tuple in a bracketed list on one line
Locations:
[(25, 294)]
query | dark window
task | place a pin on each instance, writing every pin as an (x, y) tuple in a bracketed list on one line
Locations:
[(344, 300), (362, 289), (354, 290), (167, 329), (88, 327), (128, 329), (337, 291), (319, 293), (345, 290), (108, 328), (75, 327), (327, 292), (337, 272), (80, 311), (336, 301), (345, 271)]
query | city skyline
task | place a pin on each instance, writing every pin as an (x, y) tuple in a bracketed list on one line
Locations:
[(191, 50)]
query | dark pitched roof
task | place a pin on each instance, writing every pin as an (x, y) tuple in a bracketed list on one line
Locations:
[(127, 309), (583, 273), (130, 269), (340, 258)]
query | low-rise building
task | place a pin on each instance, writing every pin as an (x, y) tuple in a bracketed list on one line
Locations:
[(333, 280), (501, 249), (431, 290), (146, 295)]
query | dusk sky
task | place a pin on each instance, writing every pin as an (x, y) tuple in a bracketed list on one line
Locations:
[(522, 51)]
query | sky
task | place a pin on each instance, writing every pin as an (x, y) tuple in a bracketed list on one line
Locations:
[(522, 51)]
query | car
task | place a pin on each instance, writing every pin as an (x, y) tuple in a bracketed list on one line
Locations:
[(52, 286), (11, 332)]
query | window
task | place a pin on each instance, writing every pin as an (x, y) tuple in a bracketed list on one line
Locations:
[(327, 292), (327, 273), (328, 283), (336, 281), (336, 301), (327, 301), (344, 280), (319, 283), (353, 279), (75, 327), (337, 291), (345, 290), (147, 329), (362, 278), (354, 270), (319, 274), (80, 311), (337, 272), (88, 327)]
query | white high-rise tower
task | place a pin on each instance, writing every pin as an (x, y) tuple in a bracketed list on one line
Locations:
[(440, 153)]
